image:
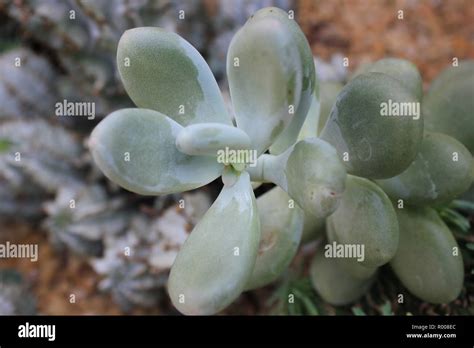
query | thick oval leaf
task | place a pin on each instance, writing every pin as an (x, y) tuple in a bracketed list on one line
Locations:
[(162, 71), (267, 77), (329, 92), (366, 217), (310, 172), (333, 283), (211, 139), (135, 148), (281, 224), (428, 260), (351, 265), (313, 228), (310, 125), (315, 176), (310, 80), (449, 104), (440, 172), (401, 69), (217, 259), (364, 128)]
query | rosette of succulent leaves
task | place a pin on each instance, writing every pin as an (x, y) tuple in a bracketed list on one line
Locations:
[(181, 137), (81, 36)]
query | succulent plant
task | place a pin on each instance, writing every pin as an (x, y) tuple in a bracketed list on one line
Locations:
[(449, 103), (80, 216), (15, 296), (391, 217), (135, 263), (33, 167), (428, 261), (27, 88), (173, 143)]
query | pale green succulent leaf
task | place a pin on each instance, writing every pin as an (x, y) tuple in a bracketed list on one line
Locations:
[(217, 259), (310, 172), (281, 224), (333, 283), (440, 172), (310, 80), (135, 148), (212, 139), (401, 69), (310, 125), (163, 72), (428, 261), (266, 78), (371, 140), (315, 176), (448, 106), (366, 217)]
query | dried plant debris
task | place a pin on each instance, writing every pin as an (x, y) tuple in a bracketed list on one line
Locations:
[(15, 296), (81, 216)]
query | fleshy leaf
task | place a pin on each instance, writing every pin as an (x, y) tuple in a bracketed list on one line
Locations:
[(366, 216), (163, 72), (310, 81), (349, 264), (448, 106), (268, 76), (135, 148), (281, 225), (428, 261), (315, 176), (217, 259), (310, 125), (329, 92), (401, 69), (310, 172), (371, 140), (440, 172), (209, 138), (333, 283)]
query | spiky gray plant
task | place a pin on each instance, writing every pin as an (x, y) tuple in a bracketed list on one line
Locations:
[(33, 167), (27, 85), (135, 264), (80, 216)]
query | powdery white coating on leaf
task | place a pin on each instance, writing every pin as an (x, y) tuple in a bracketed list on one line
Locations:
[(366, 216), (425, 261), (401, 69), (434, 176), (209, 273), (449, 104), (167, 74), (333, 283), (281, 230), (315, 176), (155, 165), (210, 138), (376, 146), (266, 80)]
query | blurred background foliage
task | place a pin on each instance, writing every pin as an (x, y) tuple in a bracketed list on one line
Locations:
[(67, 51)]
